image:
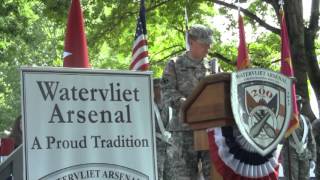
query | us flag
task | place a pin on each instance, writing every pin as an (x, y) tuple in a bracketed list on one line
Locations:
[(140, 59)]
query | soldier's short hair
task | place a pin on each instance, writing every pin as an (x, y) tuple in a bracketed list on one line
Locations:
[(201, 33)]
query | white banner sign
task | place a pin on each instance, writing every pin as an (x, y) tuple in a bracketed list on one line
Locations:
[(87, 124)]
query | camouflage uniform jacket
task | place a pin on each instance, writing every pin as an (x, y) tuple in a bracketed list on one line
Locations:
[(317, 140), (180, 77), (317, 169), (310, 152)]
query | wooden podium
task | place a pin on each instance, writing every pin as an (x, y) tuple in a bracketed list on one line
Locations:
[(208, 106)]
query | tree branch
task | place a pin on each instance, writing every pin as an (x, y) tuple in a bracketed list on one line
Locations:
[(174, 53), (275, 5), (314, 17), (157, 5), (222, 58), (165, 49), (250, 15)]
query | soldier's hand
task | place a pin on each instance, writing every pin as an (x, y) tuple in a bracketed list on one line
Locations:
[(167, 136), (181, 100)]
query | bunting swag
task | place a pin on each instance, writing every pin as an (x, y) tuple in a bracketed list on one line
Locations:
[(236, 160)]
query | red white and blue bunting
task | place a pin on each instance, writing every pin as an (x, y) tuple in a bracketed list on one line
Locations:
[(235, 159)]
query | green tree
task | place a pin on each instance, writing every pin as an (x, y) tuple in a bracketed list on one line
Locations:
[(32, 34)]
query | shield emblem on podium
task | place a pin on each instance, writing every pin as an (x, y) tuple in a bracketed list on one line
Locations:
[(261, 103)]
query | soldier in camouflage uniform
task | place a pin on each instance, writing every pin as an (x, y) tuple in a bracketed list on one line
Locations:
[(162, 135), (181, 76), (316, 134), (299, 150)]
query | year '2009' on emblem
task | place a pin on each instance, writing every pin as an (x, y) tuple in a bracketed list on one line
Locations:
[(261, 103)]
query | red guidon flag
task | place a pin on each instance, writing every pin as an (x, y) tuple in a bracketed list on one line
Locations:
[(6, 146), (286, 69), (243, 57), (75, 44)]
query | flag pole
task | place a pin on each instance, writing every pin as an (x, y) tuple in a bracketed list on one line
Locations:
[(186, 26), (281, 11)]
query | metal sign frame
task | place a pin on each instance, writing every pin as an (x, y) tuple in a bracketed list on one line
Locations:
[(87, 123)]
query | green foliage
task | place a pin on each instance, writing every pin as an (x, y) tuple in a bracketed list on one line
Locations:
[(32, 34), (265, 52)]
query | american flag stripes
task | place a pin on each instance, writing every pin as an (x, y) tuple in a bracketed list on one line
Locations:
[(140, 60)]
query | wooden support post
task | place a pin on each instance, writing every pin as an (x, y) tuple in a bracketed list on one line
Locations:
[(201, 144), (208, 106)]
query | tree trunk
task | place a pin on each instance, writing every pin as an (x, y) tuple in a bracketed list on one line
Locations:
[(295, 25), (312, 63)]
